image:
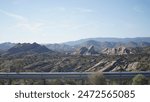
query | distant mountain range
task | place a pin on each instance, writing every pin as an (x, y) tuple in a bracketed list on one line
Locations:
[(122, 40), (102, 45), (98, 43)]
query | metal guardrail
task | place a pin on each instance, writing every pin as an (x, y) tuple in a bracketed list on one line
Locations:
[(68, 75)]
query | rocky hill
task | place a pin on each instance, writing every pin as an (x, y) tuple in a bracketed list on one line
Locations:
[(27, 48), (6, 46), (60, 47), (86, 51)]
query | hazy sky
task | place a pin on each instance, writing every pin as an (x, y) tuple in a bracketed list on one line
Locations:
[(52, 21)]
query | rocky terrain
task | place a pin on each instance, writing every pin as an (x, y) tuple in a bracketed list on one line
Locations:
[(113, 56), (118, 51), (52, 61), (27, 57)]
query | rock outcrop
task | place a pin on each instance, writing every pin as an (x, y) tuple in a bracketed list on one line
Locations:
[(114, 65), (117, 51), (86, 51)]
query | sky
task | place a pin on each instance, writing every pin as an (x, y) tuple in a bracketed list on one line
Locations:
[(56, 21)]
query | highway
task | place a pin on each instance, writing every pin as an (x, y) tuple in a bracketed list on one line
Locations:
[(67, 75)]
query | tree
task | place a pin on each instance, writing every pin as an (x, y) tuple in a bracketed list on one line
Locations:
[(139, 80), (97, 79)]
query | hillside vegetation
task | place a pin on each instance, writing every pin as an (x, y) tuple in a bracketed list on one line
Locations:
[(28, 57)]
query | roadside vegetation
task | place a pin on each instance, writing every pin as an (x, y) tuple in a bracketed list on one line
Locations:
[(140, 80), (97, 79)]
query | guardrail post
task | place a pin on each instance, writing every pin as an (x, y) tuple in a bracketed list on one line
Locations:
[(82, 82), (120, 79), (44, 81), (9, 81)]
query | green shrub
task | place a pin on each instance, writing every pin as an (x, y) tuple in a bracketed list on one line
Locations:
[(55, 82), (139, 80), (97, 79)]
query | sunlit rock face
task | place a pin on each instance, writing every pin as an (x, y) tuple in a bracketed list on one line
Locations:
[(117, 51)]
